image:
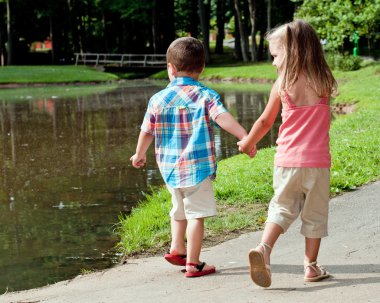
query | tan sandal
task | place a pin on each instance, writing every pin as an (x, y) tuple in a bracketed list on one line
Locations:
[(260, 271), (321, 272)]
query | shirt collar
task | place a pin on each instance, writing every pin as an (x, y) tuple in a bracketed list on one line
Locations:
[(184, 81)]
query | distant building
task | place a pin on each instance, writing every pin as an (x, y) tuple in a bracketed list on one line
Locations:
[(39, 46)]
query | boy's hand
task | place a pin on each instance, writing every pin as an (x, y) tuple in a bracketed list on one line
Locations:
[(245, 147), (138, 160)]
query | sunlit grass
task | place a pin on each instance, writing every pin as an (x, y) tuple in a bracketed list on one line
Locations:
[(262, 72), (52, 74), (53, 92)]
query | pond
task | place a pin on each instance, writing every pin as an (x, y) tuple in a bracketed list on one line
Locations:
[(66, 177)]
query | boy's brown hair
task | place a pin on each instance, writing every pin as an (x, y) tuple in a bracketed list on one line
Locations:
[(187, 54)]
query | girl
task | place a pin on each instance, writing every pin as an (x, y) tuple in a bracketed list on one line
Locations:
[(302, 162)]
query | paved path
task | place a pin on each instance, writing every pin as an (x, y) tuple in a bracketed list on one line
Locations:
[(351, 253)]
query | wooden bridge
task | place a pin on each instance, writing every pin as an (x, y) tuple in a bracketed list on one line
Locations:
[(121, 60)]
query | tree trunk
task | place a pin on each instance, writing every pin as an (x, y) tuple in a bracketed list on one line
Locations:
[(9, 5), (74, 26), (2, 48), (105, 35), (204, 11), (51, 39), (241, 31), (220, 21), (194, 30), (163, 31), (155, 42), (260, 51), (168, 30), (238, 53), (269, 10), (252, 15)]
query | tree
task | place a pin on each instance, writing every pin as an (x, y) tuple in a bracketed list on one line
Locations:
[(252, 15), (204, 15), (269, 22), (337, 21), (163, 25), (220, 21), (10, 30), (243, 39), (186, 11)]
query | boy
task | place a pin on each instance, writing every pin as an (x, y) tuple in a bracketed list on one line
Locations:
[(179, 118)]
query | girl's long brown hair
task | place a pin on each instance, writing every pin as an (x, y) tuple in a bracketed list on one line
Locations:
[(303, 54)]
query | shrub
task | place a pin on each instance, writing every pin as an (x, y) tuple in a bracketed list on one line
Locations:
[(343, 62)]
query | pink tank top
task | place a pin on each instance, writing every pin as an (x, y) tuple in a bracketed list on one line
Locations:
[(303, 139)]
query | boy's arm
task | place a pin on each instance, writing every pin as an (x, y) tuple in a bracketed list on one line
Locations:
[(143, 143), (228, 123), (264, 123)]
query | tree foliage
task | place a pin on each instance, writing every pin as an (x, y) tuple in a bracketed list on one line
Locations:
[(148, 26), (337, 21)]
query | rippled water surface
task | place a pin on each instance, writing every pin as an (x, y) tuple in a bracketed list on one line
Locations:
[(66, 177)]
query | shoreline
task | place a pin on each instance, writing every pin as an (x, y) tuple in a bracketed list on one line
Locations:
[(151, 279)]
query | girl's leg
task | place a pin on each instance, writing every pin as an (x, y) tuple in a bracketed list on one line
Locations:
[(259, 258), (311, 254), (270, 235), (195, 232), (178, 231)]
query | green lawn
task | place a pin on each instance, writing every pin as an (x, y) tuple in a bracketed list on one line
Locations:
[(52, 74), (262, 72), (53, 91)]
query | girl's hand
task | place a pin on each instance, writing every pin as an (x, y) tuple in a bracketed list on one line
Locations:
[(253, 152), (246, 148)]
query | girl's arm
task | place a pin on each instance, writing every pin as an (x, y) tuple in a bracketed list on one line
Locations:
[(263, 124)]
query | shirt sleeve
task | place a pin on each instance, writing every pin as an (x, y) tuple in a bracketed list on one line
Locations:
[(216, 107), (149, 121)]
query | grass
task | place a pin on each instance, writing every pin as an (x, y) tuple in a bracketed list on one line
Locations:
[(243, 187), (262, 72), (52, 74), (54, 92)]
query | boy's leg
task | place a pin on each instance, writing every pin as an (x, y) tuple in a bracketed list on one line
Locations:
[(178, 231), (195, 232)]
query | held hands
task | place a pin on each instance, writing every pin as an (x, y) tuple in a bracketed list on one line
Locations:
[(138, 160), (247, 148)]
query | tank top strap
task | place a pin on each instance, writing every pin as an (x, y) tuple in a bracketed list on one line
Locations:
[(325, 101), (288, 100)]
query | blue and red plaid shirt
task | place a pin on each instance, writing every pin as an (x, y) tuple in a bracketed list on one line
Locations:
[(179, 117)]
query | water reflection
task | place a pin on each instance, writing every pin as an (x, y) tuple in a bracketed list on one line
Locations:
[(66, 176)]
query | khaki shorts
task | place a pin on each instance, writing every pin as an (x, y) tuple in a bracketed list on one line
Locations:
[(301, 191), (193, 202)]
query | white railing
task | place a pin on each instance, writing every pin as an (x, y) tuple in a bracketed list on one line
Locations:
[(122, 60)]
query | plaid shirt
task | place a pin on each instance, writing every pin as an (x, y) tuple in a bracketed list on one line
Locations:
[(179, 119)]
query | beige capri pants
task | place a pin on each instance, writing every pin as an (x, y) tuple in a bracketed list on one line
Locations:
[(301, 191)]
